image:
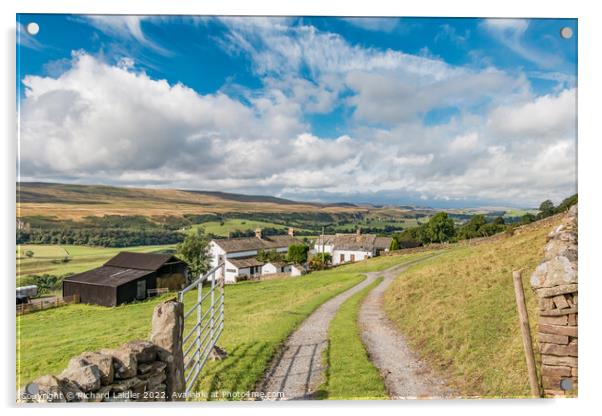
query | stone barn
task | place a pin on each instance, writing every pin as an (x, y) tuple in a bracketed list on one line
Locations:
[(127, 277)]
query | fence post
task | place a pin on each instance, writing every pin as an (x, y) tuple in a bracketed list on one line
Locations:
[(523, 317), (166, 334)]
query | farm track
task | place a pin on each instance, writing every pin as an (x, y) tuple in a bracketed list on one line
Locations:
[(298, 370), (404, 374)]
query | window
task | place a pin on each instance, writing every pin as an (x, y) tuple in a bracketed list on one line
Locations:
[(352, 257), (342, 258)]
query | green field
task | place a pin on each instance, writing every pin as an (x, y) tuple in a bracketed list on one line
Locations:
[(458, 311), (224, 228), (350, 373), (259, 317), (48, 258)]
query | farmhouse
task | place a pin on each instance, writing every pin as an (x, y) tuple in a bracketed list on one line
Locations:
[(240, 255), (127, 277), (352, 247)]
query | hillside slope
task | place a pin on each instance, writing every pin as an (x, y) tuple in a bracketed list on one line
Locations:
[(459, 312)]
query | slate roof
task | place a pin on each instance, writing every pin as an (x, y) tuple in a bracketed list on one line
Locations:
[(233, 245), (354, 242), (140, 261), (243, 262), (123, 268), (108, 276)]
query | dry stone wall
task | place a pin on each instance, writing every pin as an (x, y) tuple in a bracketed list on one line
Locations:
[(555, 283), (137, 371)]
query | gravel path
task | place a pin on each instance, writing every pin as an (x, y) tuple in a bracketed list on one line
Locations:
[(405, 376), (299, 370)]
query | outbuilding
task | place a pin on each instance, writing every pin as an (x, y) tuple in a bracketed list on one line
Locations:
[(127, 277)]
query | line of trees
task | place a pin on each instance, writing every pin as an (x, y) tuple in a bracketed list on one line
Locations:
[(441, 227)]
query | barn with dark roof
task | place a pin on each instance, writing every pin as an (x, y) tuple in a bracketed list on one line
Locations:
[(127, 277)]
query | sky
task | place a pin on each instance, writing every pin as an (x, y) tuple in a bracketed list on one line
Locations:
[(425, 111)]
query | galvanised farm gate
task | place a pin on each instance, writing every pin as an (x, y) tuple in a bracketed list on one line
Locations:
[(207, 323)]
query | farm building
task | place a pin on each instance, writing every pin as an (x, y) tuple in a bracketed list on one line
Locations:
[(240, 255), (127, 277), (352, 247)]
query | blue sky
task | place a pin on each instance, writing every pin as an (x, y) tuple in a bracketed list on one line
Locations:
[(431, 111)]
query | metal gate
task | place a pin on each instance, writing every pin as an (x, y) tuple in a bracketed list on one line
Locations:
[(208, 325)]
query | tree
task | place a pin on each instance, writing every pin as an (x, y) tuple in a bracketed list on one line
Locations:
[(194, 250), (297, 253), (267, 256), (546, 208), (566, 203), (528, 218), (394, 245), (440, 228), (320, 261)]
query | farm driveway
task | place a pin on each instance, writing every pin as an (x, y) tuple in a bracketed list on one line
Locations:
[(299, 370), (405, 376)]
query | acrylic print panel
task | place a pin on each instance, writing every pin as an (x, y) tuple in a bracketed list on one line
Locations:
[(295, 208)]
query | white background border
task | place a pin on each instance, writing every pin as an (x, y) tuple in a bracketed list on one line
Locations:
[(590, 159)]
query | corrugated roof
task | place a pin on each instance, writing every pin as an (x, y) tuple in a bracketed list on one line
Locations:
[(140, 261), (243, 262), (355, 242), (233, 245), (108, 276)]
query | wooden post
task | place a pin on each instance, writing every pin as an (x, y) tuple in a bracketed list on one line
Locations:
[(523, 318)]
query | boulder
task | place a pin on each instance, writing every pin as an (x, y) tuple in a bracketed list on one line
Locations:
[(144, 351), (45, 389), (85, 376), (151, 368), (104, 362), (72, 392), (124, 362)]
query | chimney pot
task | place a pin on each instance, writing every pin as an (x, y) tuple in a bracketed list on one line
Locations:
[(291, 231), (258, 233)]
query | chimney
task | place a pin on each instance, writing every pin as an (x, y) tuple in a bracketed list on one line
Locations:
[(359, 231), (291, 231), (258, 233)]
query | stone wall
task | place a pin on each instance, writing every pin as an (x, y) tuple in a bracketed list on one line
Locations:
[(137, 371), (555, 283)]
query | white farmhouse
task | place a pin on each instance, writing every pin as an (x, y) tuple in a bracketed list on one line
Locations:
[(351, 247), (240, 255)]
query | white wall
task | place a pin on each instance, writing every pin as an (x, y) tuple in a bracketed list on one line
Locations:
[(359, 255), (327, 248), (296, 271)]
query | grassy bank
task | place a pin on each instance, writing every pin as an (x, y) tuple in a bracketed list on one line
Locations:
[(459, 312), (350, 373)]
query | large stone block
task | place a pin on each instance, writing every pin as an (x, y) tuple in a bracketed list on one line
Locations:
[(85, 376), (555, 371), (560, 350), (167, 334), (45, 389), (124, 362), (104, 363), (144, 351), (562, 361), (553, 339), (553, 320), (570, 331)]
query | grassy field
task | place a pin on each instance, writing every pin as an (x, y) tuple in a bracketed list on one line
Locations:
[(350, 373), (459, 312), (48, 258), (223, 229), (259, 317)]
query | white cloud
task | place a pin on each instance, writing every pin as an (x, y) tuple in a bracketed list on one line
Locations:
[(125, 27), (510, 32), (114, 124), (374, 24)]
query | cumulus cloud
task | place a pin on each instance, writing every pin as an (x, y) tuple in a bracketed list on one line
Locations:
[(97, 122)]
